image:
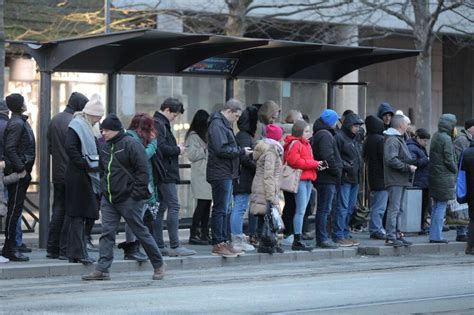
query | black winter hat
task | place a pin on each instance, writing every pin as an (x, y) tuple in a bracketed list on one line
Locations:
[(468, 124), (15, 103), (112, 122)]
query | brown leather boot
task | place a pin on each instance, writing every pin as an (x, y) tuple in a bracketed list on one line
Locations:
[(96, 275), (159, 273)]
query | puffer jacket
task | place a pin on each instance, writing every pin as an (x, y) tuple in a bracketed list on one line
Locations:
[(396, 159), (168, 148), (20, 145), (301, 157), (247, 126), (443, 168), (421, 161), (373, 153), (224, 153), (266, 183), (325, 148), (117, 185), (349, 150), (57, 131)]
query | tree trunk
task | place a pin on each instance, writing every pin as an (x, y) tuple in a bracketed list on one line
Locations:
[(423, 91), (2, 50)]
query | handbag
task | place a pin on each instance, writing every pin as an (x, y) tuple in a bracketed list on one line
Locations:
[(92, 161), (461, 184), (290, 177)]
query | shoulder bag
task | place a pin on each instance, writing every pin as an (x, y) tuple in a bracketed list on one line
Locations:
[(290, 177)]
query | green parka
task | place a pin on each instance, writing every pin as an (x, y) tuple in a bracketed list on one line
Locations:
[(443, 168)]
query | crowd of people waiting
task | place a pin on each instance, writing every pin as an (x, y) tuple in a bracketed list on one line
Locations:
[(133, 174)]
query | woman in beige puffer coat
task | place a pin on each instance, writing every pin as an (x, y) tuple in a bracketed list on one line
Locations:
[(268, 154)]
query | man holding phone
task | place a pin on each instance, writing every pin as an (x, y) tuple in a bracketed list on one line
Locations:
[(325, 149)]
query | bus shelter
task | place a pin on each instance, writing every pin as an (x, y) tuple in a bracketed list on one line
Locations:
[(149, 51)]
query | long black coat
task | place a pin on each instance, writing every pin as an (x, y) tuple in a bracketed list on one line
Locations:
[(168, 148), (247, 126), (373, 153), (81, 201), (468, 166)]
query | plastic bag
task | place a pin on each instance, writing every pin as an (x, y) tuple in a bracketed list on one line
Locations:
[(457, 213), (277, 221)]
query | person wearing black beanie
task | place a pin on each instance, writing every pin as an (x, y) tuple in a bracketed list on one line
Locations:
[(20, 155), (111, 122)]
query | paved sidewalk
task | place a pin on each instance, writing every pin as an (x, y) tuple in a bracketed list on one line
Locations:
[(40, 266)]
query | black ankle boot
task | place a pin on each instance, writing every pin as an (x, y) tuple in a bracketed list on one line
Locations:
[(131, 251), (298, 245), (196, 239)]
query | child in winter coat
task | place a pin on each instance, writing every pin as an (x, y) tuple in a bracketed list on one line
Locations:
[(268, 155)]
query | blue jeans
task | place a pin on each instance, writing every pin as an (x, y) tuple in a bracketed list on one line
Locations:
[(326, 193), (253, 224), (378, 205), (241, 203), (19, 233), (301, 200), (437, 216), (345, 207), (221, 196)]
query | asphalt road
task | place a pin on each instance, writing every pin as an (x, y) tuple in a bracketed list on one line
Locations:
[(440, 284)]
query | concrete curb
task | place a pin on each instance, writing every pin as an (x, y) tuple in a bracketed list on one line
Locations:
[(454, 247), (55, 268)]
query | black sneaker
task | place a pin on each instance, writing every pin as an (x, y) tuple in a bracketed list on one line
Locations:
[(405, 242), (378, 236), (24, 249), (300, 246), (394, 243), (327, 245), (461, 238)]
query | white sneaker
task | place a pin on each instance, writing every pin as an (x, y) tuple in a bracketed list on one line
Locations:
[(288, 241), (239, 243), (3, 260)]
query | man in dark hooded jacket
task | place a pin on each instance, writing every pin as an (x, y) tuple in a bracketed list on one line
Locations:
[(20, 154), (373, 156), (57, 238), (468, 167), (325, 148), (348, 146), (385, 112)]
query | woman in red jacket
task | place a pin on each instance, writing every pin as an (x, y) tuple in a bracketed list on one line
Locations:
[(299, 155)]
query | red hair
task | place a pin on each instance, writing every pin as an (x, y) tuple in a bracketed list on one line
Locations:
[(143, 124)]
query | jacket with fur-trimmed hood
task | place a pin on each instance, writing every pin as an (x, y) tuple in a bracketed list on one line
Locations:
[(266, 184)]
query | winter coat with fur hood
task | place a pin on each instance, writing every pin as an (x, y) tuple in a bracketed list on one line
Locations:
[(266, 183)]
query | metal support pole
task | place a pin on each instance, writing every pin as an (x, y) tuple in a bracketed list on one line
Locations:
[(44, 187), (330, 96), (112, 93), (107, 15), (229, 89)]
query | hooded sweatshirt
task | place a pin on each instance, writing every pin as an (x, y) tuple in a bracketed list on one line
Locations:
[(373, 152), (385, 108)]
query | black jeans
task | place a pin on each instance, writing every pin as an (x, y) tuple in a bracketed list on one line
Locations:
[(201, 215), (56, 231), (470, 232), (76, 245), (16, 199), (288, 212)]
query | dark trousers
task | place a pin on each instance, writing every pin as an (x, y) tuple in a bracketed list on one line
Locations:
[(169, 202), (288, 212), (76, 244), (425, 206), (130, 211), (16, 199), (201, 215), (221, 195), (56, 231)]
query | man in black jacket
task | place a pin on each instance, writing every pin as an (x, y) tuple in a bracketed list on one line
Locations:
[(170, 150), (222, 170), (20, 154), (385, 112), (57, 239), (124, 189), (348, 146), (373, 156), (325, 148), (468, 167)]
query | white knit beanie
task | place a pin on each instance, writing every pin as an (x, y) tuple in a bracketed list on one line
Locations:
[(94, 107)]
